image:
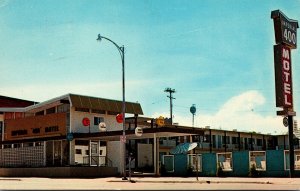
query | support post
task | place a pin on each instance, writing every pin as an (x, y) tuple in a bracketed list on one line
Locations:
[(291, 146)]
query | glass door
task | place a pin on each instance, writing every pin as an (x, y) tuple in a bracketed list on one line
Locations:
[(94, 153)]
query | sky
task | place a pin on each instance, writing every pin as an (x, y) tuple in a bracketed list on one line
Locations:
[(216, 54)]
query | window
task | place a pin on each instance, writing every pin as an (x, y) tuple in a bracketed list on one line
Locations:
[(87, 152), (214, 141), (51, 129), (195, 162), (39, 113), (78, 151), (19, 115), (196, 138), (225, 139), (98, 120), (257, 160), (63, 108), (112, 113), (224, 161), (168, 163), (206, 138), (39, 144), (103, 143), (50, 110), (82, 109), (235, 140), (82, 142), (259, 142), (17, 145), (6, 146), (36, 130), (27, 144), (19, 132), (287, 160), (8, 115), (1, 124)]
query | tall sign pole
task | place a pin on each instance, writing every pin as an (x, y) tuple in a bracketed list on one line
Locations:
[(286, 39)]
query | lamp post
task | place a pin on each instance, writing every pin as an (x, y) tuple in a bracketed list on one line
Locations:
[(121, 51)]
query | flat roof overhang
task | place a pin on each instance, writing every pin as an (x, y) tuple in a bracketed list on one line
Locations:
[(147, 133)]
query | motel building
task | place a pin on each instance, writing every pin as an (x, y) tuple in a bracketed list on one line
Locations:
[(79, 136)]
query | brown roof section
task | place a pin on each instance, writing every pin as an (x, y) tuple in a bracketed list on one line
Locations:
[(104, 104), (14, 102)]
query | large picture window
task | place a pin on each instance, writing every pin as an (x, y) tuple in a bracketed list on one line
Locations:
[(287, 160), (194, 162), (257, 160), (225, 161)]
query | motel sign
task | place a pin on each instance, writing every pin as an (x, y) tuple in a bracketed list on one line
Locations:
[(286, 39)]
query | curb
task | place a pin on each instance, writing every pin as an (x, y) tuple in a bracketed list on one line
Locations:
[(199, 182)]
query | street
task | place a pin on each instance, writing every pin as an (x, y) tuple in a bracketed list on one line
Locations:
[(151, 183)]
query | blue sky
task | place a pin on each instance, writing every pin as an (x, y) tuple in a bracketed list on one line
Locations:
[(215, 54)]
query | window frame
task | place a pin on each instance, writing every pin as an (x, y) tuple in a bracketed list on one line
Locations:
[(199, 156), (222, 163), (251, 162)]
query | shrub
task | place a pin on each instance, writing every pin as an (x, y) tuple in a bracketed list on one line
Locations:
[(220, 172), (253, 172)]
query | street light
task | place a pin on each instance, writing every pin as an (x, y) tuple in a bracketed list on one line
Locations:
[(121, 51)]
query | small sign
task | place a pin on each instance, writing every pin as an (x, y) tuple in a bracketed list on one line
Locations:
[(160, 121), (138, 131), (285, 121), (102, 126), (119, 118), (85, 121), (123, 138)]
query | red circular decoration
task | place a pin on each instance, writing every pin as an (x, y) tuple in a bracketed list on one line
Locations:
[(86, 121), (119, 118)]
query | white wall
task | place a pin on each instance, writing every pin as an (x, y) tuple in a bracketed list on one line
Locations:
[(78, 127)]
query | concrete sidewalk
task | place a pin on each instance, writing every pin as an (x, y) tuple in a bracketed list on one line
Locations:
[(150, 183)]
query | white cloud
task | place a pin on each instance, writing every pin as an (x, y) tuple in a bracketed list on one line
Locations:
[(239, 112)]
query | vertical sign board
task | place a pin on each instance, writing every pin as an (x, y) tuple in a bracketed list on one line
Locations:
[(286, 39), (283, 76)]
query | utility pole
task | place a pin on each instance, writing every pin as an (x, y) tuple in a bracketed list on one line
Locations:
[(171, 91)]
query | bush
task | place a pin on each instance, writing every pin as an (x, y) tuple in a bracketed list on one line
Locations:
[(220, 172), (163, 170), (253, 172), (190, 171)]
